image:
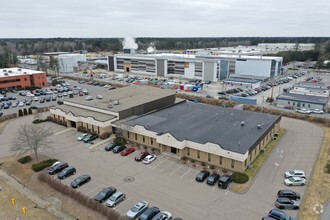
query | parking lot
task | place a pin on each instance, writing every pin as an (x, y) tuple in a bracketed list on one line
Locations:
[(171, 186)]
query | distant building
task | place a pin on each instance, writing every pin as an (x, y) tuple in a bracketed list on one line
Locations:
[(68, 62), (302, 101), (17, 78)]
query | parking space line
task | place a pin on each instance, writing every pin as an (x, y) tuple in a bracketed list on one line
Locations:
[(175, 170), (94, 189), (123, 202), (60, 132), (185, 173), (166, 167)]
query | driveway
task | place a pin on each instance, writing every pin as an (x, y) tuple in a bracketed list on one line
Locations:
[(171, 186)]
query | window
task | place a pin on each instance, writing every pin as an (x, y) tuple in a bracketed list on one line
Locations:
[(288, 103), (232, 163), (135, 136), (255, 151), (220, 160), (152, 141), (128, 134), (245, 162), (143, 139), (293, 103), (198, 154), (303, 104), (309, 105), (188, 151), (209, 157)]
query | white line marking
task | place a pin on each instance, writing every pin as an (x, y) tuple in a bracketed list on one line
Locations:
[(159, 163), (192, 179), (175, 170), (185, 173), (226, 192), (60, 132)]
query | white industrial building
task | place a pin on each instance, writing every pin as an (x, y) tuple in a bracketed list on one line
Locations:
[(68, 62), (208, 68)]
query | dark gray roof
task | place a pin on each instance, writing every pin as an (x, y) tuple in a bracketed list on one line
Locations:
[(237, 80), (203, 123), (303, 98)]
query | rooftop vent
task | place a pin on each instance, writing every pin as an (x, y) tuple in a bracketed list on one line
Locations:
[(9, 71), (259, 126), (242, 123), (116, 102), (19, 69), (4, 70)]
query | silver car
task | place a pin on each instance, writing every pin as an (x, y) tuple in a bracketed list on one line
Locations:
[(295, 181), (137, 209), (285, 203), (115, 199), (295, 173)]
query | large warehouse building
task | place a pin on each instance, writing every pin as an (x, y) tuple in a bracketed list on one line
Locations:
[(208, 68), (17, 78), (223, 137)]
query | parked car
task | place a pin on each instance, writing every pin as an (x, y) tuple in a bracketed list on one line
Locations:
[(317, 111), (81, 180), (80, 93), (115, 199), (90, 137), (127, 151), (149, 213), (105, 194), (141, 156), (164, 215), (295, 181), (82, 136), (296, 173), (285, 203), (213, 179), (99, 97), (110, 146), (118, 149), (66, 172), (89, 98), (57, 167), (291, 107), (224, 181), (201, 176), (277, 215), (60, 102), (48, 98), (288, 194), (137, 210), (148, 159), (85, 92)]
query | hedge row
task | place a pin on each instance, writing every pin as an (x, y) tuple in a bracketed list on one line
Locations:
[(37, 121), (79, 197), (43, 164), (24, 160), (7, 117)]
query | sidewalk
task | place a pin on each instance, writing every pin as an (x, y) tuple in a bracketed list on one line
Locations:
[(52, 204)]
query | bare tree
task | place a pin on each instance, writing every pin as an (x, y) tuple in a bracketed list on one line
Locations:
[(32, 138)]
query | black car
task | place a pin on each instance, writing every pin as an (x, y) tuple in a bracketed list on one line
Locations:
[(60, 102), (288, 194), (118, 149), (202, 175), (90, 138), (149, 213), (66, 172), (224, 181), (110, 146), (57, 167), (80, 181), (105, 194), (212, 179), (222, 93)]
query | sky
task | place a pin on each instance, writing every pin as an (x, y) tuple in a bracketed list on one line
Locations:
[(164, 18)]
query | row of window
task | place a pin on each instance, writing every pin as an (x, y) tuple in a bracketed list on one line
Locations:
[(299, 104), (143, 138), (209, 158)]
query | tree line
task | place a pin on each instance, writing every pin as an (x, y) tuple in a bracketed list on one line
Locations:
[(9, 48)]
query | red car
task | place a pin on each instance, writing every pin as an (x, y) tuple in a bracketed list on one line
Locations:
[(81, 93), (141, 156), (127, 151)]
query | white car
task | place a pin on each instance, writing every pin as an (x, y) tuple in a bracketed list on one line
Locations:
[(99, 97), (36, 99), (65, 94), (165, 215), (148, 159), (21, 104), (29, 94), (88, 98), (80, 137), (295, 181), (295, 173), (137, 209), (317, 111)]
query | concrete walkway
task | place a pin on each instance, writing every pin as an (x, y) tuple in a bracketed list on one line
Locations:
[(52, 204), (325, 213)]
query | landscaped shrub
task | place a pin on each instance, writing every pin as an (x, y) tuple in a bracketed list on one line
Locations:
[(105, 135), (120, 140), (203, 163), (43, 164), (240, 177), (37, 121), (25, 159)]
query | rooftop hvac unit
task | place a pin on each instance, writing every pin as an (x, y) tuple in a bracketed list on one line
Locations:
[(6, 74), (9, 71), (4, 71), (242, 123), (19, 69), (116, 102), (259, 126)]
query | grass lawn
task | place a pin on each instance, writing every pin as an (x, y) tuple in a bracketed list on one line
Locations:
[(257, 163)]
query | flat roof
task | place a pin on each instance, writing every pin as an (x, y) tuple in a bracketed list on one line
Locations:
[(242, 80), (303, 98), (202, 123), (84, 112), (237, 76), (6, 72), (127, 97)]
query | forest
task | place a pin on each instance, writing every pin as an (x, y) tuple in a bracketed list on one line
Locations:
[(10, 48)]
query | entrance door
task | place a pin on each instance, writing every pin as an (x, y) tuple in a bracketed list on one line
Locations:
[(173, 150), (127, 70), (73, 124)]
